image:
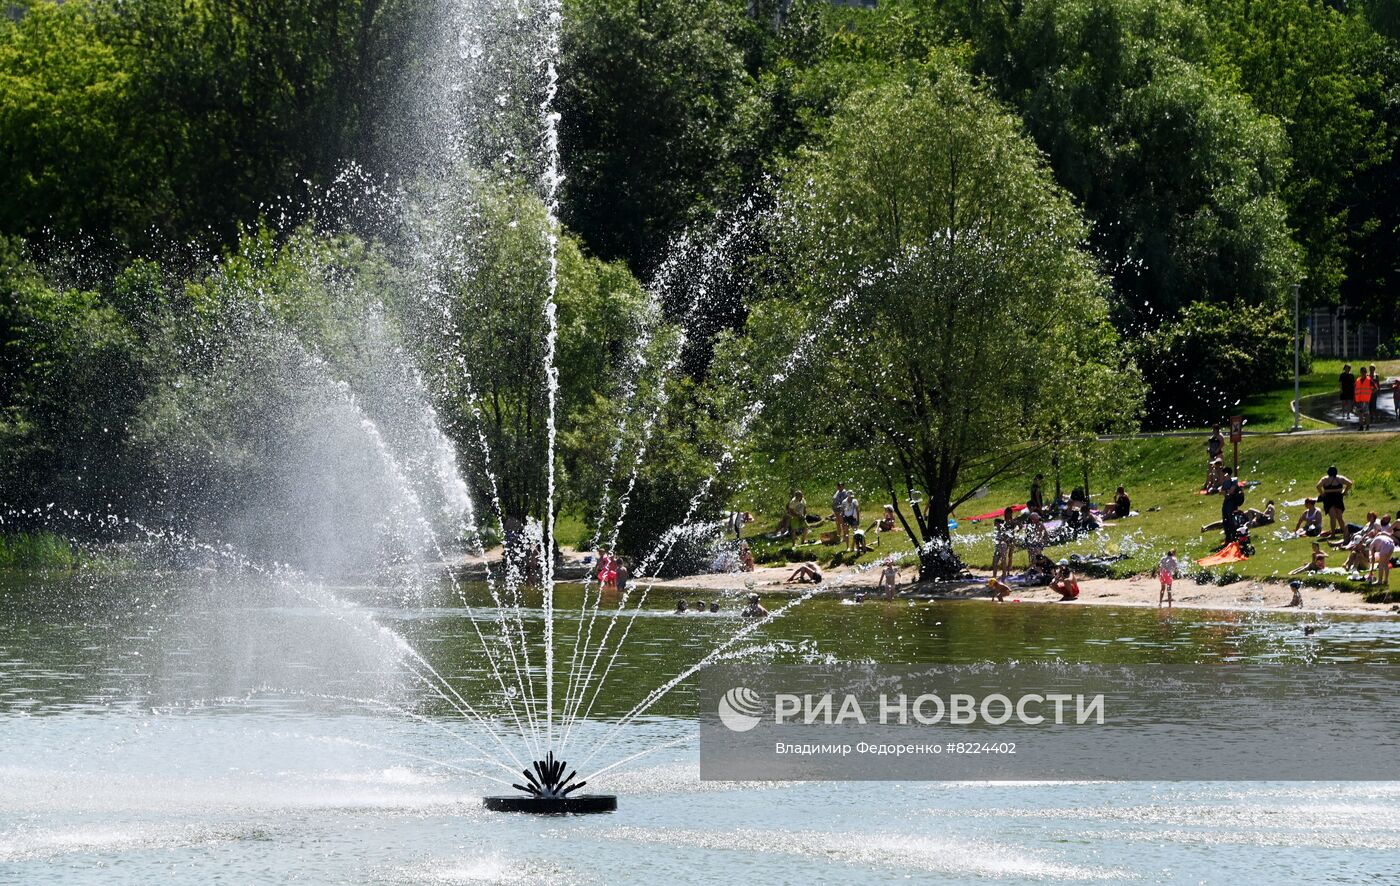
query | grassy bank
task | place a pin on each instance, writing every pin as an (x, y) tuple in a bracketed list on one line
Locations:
[(37, 550), (1162, 476)]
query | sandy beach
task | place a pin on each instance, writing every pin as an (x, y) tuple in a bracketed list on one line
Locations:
[(1139, 591)]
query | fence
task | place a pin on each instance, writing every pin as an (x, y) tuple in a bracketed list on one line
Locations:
[(1331, 334)]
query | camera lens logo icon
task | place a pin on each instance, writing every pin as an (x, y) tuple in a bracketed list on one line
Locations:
[(740, 709)]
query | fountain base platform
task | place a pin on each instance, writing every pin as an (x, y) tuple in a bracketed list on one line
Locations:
[(582, 804)]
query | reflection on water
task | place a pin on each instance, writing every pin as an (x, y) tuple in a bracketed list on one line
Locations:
[(189, 727)]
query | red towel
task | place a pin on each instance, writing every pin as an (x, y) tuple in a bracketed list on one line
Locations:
[(1231, 553), (992, 515)]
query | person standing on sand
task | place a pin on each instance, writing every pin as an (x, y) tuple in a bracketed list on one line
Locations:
[(889, 580), (1001, 547), (1333, 489), (1346, 384), (1167, 569)]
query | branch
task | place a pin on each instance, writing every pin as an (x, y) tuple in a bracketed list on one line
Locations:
[(1001, 469)]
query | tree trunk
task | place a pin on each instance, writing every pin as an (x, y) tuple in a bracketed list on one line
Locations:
[(937, 561)]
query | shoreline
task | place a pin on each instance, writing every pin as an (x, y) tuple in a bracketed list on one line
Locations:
[(1136, 592)]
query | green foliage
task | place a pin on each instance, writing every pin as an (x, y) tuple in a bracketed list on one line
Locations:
[(650, 113), (1312, 66), (37, 550), (484, 341), (929, 236), (71, 371), (1182, 177), (118, 118), (1201, 365)]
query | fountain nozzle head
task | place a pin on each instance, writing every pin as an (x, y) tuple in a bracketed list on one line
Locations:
[(546, 781), (548, 790)]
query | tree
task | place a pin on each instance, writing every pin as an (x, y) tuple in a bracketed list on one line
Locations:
[(1182, 177), (72, 371), (959, 312), (1313, 67), (1202, 364), (650, 104), (481, 335)]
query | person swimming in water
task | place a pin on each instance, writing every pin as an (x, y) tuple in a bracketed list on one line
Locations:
[(754, 609)]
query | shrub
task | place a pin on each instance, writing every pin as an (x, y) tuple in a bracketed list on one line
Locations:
[(1200, 366)]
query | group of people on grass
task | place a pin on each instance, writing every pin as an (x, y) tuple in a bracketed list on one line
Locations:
[(1038, 526), (1235, 519), (1369, 548), (845, 517), (1360, 394)]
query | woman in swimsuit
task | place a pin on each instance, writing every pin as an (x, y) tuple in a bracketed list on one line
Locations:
[(1333, 489)]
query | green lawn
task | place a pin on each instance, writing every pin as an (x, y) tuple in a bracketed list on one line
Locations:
[(1272, 410), (1162, 476)]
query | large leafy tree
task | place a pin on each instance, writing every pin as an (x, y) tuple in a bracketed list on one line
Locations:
[(132, 123), (1318, 69), (953, 315), (482, 332), (651, 103), (1182, 177)]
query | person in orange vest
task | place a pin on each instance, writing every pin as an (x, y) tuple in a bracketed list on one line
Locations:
[(1365, 386)]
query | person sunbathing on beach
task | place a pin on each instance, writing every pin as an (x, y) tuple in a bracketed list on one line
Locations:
[(1316, 563), (807, 573)]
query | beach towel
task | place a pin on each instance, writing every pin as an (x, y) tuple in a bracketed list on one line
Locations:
[(1231, 553), (992, 515)]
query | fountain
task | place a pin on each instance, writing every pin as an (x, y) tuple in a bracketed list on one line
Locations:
[(309, 458), (548, 792)]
